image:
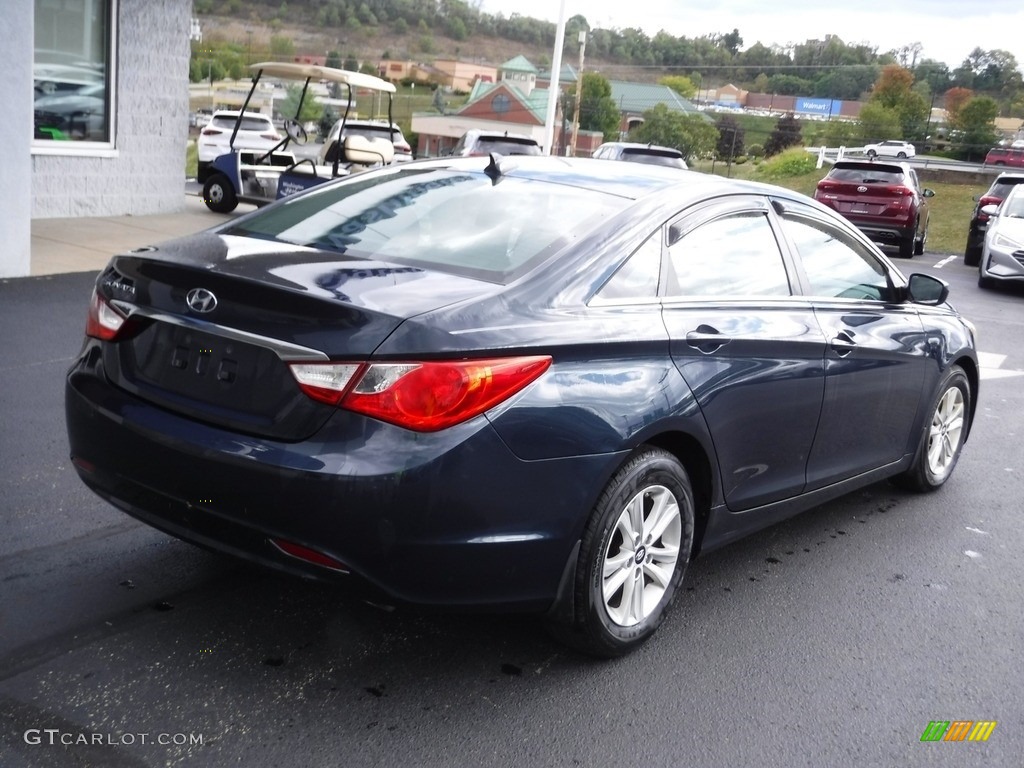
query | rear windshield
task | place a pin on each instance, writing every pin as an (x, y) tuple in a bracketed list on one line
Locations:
[(505, 145), (1002, 188), (436, 218), (373, 131), (653, 157), (867, 175), (248, 123)]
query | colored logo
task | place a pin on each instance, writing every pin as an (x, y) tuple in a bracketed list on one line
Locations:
[(959, 730)]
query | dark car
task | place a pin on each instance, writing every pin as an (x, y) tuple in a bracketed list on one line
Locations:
[(652, 154), (1000, 188), (535, 384), (884, 200), (477, 142)]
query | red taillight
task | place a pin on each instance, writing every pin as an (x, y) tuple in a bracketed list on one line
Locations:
[(425, 397), (104, 321), (987, 200), (212, 132), (309, 555)]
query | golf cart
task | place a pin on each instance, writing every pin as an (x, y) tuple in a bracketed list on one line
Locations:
[(262, 176)]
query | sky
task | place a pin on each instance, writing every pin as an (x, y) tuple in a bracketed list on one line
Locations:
[(947, 29)]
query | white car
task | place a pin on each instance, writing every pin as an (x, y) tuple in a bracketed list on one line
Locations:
[(1002, 260), (255, 132), (900, 149)]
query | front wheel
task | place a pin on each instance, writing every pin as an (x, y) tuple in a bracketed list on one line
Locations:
[(219, 194), (943, 435), (633, 556)]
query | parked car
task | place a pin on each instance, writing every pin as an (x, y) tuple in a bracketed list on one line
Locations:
[(476, 142), (884, 199), (370, 129), (79, 114), (255, 131), (1014, 158), (898, 149), (532, 383), (1002, 260), (979, 219), (652, 154)]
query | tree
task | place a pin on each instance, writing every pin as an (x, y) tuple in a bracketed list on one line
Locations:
[(954, 101), (787, 133), (312, 110), (878, 122), (894, 92), (976, 123), (730, 138), (690, 134), (281, 48), (680, 84), (732, 42), (598, 111)]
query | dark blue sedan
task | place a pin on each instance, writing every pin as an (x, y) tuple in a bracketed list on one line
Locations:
[(522, 383)]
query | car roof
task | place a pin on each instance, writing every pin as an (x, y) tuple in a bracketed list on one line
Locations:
[(628, 180), (639, 145), (886, 166), (477, 133)]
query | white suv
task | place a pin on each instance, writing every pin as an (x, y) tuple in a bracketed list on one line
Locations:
[(370, 129), (900, 149), (255, 132)]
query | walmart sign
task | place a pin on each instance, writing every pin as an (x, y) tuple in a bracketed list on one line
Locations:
[(824, 107)]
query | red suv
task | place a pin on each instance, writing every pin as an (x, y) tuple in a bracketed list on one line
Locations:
[(885, 201), (979, 221), (1005, 156)]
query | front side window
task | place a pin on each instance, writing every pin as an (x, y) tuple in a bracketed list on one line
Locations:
[(734, 255), (73, 72), (836, 265)]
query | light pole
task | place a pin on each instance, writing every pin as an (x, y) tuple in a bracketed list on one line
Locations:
[(579, 93)]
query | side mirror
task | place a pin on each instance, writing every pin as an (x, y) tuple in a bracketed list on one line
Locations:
[(989, 210), (928, 192), (925, 289)]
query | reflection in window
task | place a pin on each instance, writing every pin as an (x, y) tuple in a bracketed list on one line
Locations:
[(836, 265), (70, 69), (638, 277), (731, 256)]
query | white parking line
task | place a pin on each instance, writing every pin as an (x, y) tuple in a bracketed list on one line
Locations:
[(991, 367), (945, 261)]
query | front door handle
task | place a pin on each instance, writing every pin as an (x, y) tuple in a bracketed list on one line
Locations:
[(706, 339), (843, 344)]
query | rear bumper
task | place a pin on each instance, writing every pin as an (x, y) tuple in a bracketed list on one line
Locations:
[(447, 519)]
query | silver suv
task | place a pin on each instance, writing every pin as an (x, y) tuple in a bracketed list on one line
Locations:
[(475, 142)]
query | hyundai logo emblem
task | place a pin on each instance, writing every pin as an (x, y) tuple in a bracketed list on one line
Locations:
[(201, 300), (862, 189)]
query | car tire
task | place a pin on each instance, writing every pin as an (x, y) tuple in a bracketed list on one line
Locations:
[(901, 155), (633, 555), (943, 434), (972, 256), (219, 194), (908, 244), (872, 154), (921, 242)]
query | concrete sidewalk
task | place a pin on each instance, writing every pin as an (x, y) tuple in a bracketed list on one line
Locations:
[(86, 244)]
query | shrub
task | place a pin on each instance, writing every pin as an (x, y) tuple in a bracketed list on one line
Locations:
[(740, 159), (792, 162), (755, 151)]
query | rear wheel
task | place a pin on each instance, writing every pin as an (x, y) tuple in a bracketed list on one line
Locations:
[(921, 242), (633, 555), (901, 155), (872, 154), (943, 435), (219, 194), (972, 255), (908, 243)]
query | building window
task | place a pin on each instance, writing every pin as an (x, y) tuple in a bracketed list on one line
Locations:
[(73, 73), (499, 104)]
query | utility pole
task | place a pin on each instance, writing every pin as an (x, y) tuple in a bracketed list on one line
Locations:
[(579, 94)]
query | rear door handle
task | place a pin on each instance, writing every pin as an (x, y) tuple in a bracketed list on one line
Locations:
[(843, 344)]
